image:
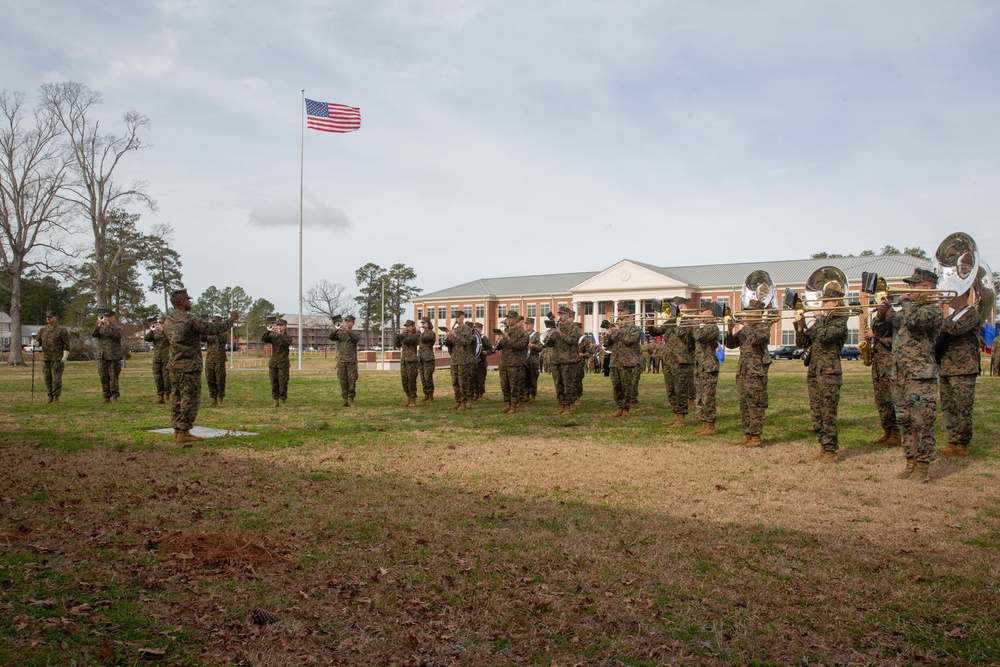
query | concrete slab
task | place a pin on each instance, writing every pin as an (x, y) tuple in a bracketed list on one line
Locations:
[(205, 432)]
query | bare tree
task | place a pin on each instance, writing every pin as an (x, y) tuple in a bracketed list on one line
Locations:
[(326, 298), (95, 157), (33, 216)]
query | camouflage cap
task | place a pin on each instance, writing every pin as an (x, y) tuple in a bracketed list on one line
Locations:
[(425, 320), (832, 293), (50, 313), (409, 323), (179, 292), (478, 325), (625, 305), (282, 320), (564, 310), (922, 276), (513, 314), (529, 320), (349, 318)]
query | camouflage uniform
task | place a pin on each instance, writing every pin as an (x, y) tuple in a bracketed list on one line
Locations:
[(564, 341), (587, 349), (533, 367), (625, 359), (824, 338), (109, 358), (215, 364), (882, 370), (995, 358), (161, 356), (347, 360), (683, 371), (959, 368), (184, 332), (461, 342), (513, 362), (915, 329), (668, 357), (54, 340), (425, 359), (278, 364), (482, 363), (408, 363), (706, 370), (751, 374)]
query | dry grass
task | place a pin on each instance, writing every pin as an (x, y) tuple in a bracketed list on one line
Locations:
[(394, 537)]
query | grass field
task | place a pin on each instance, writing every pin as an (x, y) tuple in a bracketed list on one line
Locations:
[(381, 535)]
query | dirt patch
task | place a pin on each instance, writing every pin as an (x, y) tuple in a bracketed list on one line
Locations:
[(228, 551)]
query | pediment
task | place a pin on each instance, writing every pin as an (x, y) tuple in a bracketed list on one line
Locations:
[(628, 276)]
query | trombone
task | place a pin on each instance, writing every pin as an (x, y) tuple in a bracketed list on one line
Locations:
[(827, 283)]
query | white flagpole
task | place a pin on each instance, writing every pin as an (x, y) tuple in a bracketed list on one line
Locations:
[(302, 151)]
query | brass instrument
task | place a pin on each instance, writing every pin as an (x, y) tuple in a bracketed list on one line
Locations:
[(827, 283), (956, 262), (760, 288), (866, 349)]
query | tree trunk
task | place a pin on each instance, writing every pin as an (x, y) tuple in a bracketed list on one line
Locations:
[(16, 357)]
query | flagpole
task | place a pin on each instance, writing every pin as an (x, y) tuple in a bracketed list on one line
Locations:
[(302, 161)]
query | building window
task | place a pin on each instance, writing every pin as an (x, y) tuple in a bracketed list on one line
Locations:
[(468, 311), (480, 312), (442, 312), (501, 312), (588, 308), (532, 312), (420, 314), (724, 301), (602, 308), (852, 337), (788, 337), (853, 299)]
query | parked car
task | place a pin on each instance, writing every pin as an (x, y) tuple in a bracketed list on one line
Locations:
[(787, 352), (850, 352)]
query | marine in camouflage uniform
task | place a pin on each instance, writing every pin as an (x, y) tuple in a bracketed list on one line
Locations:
[(109, 357), (751, 376), (880, 339), (513, 347), (461, 342), (347, 359), (995, 358), (482, 363), (623, 341), (407, 341), (959, 365), (824, 337), (55, 346), (184, 332), (916, 326), (563, 339), (278, 365), (425, 358), (533, 368), (587, 349), (215, 364), (706, 373), (161, 356)]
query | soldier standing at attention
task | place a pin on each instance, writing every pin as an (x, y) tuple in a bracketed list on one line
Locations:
[(184, 332), (533, 367), (513, 346), (347, 359), (461, 342), (407, 341), (623, 342), (277, 366), (425, 358), (215, 364), (55, 352), (482, 365), (563, 339), (824, 337), (109, 358), (915, 374), (879, 336), (586, 351), (751, 374), (161, 356), (706, 371), (960, 366)]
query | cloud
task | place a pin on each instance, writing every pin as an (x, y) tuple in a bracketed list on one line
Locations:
[(283, 213)]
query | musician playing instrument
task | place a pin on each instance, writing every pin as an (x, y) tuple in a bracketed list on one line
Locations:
[(706, 370), (825, 337), (752, 340), (407, 340), (513, 346), (915, 374), (678, 361), (587, 349), (959, 364), (563, 339), (425, 358), (879, 337), (347, 359), (461, 342), (534, 360), (623, 340), (482, 365)]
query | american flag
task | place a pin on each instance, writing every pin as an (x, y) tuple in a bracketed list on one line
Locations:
[(327, 117)]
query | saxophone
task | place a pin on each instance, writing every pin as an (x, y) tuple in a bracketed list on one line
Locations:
[(866, 349)]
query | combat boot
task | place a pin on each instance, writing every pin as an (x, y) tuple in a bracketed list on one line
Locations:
[(886, 434), (50, 399), (114, 399), (818, 456), (458, 404), (617, 413), (894, 440), (185, 436), (506, 408), (911, 464), (561, 410), (754, 441), (219, 401), (955, 450), (921, 472), (278, 405), (350, 402), (410, 403), (745, 440), (462, 406), (707, 429), (106, 400), (513, 408), (215, 402), (427, 398), (680, 420), (281, 402), (55, 399), (625, 413)]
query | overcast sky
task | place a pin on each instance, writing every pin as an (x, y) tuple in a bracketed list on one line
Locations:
[(521, 137)]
